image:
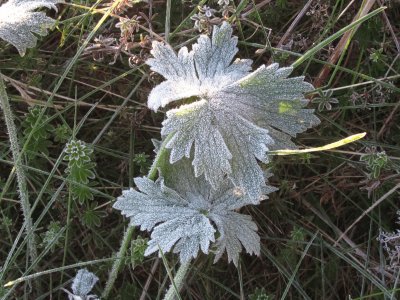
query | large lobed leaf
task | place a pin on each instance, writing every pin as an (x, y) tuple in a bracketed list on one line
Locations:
[(185, 215), (19, 22), (238, 116), (205, 69)]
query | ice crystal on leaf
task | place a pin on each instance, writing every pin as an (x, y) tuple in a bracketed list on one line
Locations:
[(239, 114), (19, 22), (185, 214), (82, 284)]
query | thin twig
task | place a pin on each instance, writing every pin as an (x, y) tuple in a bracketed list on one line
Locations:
[(252, 9), (149, 279), (294, 23)]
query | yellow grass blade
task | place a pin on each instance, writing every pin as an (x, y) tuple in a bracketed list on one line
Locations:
[(347, 140)]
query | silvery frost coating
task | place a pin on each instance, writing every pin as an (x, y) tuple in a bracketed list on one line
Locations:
[(19, 22), (185, 214), (239, 114), (82, 284)]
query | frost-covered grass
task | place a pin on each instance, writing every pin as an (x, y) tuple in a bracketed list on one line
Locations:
[(79, 101)]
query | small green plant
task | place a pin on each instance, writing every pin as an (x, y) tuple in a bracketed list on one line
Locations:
[(40, 140), (80, 169), (52, 237), (281, 57), (325, 100), (377, 55), (260, 294), (298, 235), (142, 161), (62, 133), (375, 162), (92, 216), (138, 248), (289, 255)]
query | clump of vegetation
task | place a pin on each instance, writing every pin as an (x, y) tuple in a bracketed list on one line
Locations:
[(39, 142), (80, 169)]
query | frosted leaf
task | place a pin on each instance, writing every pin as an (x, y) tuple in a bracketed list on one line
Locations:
[(269, 99), (19, 22), (238, 116), (247, 143), (185, 215), (194, 124), (236, 230), (204, 69), (82, 284), (174, 220), (189, 233)]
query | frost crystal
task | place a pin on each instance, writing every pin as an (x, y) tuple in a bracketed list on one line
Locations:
[(81, 286), (19, 22), (185, 214), (238, 116)]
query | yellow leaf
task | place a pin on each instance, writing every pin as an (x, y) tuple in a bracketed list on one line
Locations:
[(347, 140)]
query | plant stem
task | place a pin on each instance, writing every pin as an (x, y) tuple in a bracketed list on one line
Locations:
[(21, 179), (177, 284), (167, 21), (118, 262), (129, 231), (55, 270)]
